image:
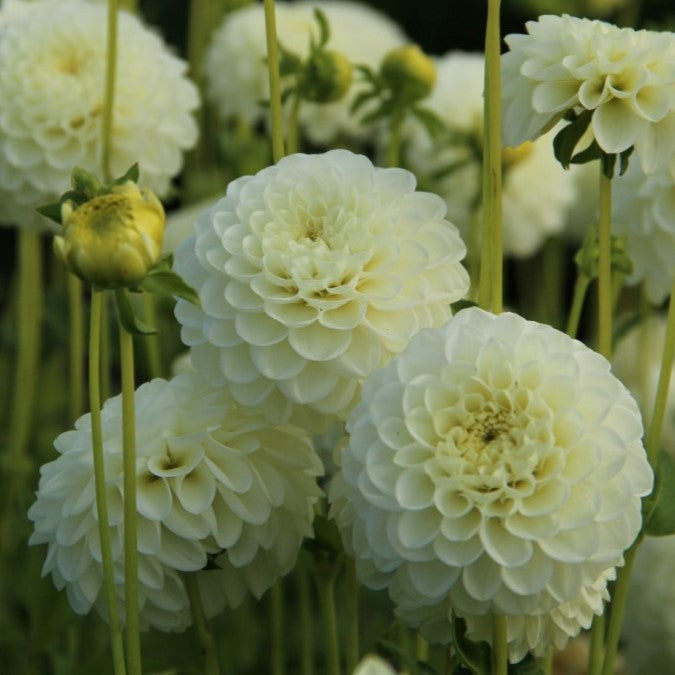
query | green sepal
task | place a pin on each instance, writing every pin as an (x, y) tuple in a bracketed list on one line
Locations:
[(567, 138), (289, 62), (51, 211), (592, 152), (84, 182), (658, 510), (125, 312), (324, 27), (131, 174), (624, 159), (462, 304), (161, 279), (474, 656), (360, 100), (433, 124), (608, 162), (326, 537)]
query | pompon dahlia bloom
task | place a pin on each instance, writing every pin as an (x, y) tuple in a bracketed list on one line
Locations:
[(494, 466), (529, 170), (644, 212), (216, 484), (52, 59), (313, 273), (626, 77), (236, 72)]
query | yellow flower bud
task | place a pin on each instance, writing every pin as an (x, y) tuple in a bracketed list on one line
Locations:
[(112, 240), (327, 77), (409, 72)]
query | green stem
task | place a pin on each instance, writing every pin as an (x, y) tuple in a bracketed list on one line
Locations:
[(306, 617), (211, 666), (580, 289), (325, 575), (275, 81), (619, 598), (654, 433), (151, 342), (29, 314), (99, 482), (597, 647), (547, 662), (109, 91), (605, 267), (277, 627), (492, 159), (130, 513), (500, 651), (394, 148), (75, 347), (352, 616), (294, 125), (421, 649), (105, 350)]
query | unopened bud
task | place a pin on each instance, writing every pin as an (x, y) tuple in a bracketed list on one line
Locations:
[(113, 239), (409, 72), (327, 77)]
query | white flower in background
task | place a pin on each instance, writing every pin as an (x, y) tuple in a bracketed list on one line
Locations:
[(374, 665), (529, 170), (236, 71), (626, 77), (649, 624), (52, 58), (494, 466), (216, 483), (637, 363), (644, 212), (313, 273)]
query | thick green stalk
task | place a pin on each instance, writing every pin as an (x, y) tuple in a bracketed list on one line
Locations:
[(325, 575), (75, 347), (500, 651), (306, 617), (130, 513), (352, 616), (211, 665), (275, 82), (605, 267), (151, 342), (580, 288), (547, 662), (293, 134), (597, 644), (116, 643), (109, 91), (277, 628), (492, 261), (654, 432)]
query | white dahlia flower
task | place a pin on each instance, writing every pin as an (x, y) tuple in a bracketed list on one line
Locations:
[(637, 363), (52, 58), (236, 70), (626, 77), (313, 273), (217, 486), (528, 171), (649, 626), (644, 212), (494, 466)]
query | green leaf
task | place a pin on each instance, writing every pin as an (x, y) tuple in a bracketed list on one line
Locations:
[(475, 656), (658, 510), (131, 174), (165, 281), (433, 124), (51, 211), (568, 137), (324, 27), (132, 324)]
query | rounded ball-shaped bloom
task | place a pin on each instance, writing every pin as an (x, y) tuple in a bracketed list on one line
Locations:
[(311, 274), (626, 77), (496, 466), (644, 212), (216, 485), (113, 239), (51, 93), (649, 625), (452, 167), (236, 71)]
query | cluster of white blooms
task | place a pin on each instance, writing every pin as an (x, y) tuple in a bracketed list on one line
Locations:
[(529, 170), (644, 212), (313, 273), (494, 466), (649, 626), (216, 485), (52, 57), (236, 71), (626, 77)]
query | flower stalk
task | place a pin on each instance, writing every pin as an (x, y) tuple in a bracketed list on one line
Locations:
[(605, 267), (500, 652), (109, 91), (275, 81), (325, 573), (76, 347), (277, 628), (352, 616), (211, 665)]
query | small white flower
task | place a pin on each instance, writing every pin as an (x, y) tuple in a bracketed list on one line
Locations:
[(216, 483), (529, 170), (313, 273), (53, 57), (644, 212), (494, 466), (649, 626), (236, 71), (626, 77)]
